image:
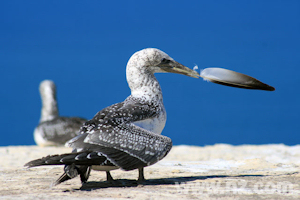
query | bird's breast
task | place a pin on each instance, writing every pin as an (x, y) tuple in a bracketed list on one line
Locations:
[(155, 124)]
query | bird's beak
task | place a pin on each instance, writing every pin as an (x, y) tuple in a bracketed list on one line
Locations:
[(175, 67), (233, 79)]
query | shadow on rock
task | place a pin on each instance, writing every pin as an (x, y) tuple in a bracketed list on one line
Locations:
[(162, 181)]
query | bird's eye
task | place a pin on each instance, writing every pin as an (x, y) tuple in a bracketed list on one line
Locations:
[(164, 61)]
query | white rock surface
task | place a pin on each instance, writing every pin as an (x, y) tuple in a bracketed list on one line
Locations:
[(212, 172)]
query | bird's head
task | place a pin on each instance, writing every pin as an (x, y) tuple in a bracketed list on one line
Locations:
[(156, 61), (47, 89), (49, 104)]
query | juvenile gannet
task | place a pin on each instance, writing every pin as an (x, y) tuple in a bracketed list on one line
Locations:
[(54, 130), (125, 135)]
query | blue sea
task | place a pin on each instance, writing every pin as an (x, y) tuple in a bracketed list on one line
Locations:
[(83, 46)]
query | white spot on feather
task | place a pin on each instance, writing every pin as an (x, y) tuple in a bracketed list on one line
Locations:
[(195, 67)]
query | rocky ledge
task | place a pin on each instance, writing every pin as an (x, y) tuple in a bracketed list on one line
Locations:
[(212, 172)]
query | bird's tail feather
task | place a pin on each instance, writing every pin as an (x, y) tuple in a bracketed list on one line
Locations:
[(75, 164), (64, 177), (48, 160), (71, 171), (78, 158)]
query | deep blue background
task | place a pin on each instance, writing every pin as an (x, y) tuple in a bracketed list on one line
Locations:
[(84, 47)]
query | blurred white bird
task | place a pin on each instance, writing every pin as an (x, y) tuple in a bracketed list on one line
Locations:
[(54, 130)]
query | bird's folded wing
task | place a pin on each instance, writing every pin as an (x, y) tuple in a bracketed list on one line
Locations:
[(112, 133), (128, 111), (131, 147)]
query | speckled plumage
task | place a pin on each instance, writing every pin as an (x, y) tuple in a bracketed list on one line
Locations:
[(58, 131), (54, 130), (125, 135)]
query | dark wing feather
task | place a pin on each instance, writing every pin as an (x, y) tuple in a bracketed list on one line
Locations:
[(79, 158)]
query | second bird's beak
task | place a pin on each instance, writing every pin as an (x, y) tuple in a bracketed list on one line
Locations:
[(177, 68)]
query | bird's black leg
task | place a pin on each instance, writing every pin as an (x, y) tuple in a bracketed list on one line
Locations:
[(141, 175), (109, 178), (84, 172)]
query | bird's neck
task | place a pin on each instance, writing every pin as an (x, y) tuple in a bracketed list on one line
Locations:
[(143, 84), (49, 109)]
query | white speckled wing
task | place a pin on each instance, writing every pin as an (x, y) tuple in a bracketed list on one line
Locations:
[(113, 133), (131, 143)]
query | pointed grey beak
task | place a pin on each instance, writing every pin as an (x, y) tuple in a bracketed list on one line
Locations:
[(233, 79), (177, 68)]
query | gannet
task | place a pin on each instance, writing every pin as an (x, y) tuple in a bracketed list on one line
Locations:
[(125, 135), (52, 129)]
